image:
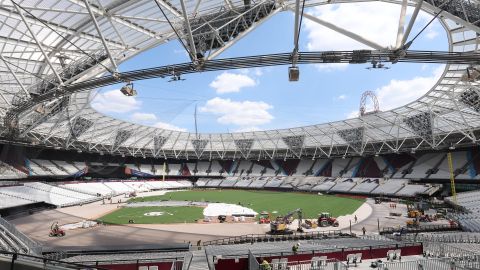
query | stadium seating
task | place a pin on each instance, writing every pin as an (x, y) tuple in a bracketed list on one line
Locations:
[(324, 185), (390, 187), (365, 186), (39, 192), (243, 182), (304, 166), (10, 201), (228, 182), (344, 185), (274, 182), (215, 169)]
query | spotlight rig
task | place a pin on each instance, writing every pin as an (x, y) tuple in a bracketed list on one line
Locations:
[(128, 90)]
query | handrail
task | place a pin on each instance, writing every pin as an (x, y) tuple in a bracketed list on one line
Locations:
[(16, 256), (423, 228), (260, 237), (33, 246)]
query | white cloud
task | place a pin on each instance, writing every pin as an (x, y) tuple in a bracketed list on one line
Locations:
[(352, 114), (143, 117), (342, 97), (377, 22), (168, 126), (114, 102), (240, 113), (401, 92), (431, 34), (228, 82)]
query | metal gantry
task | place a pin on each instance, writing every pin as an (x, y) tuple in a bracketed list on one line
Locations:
[(54, 53)]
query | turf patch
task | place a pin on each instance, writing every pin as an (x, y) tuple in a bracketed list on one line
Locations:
[(279, 203), (151, 215)]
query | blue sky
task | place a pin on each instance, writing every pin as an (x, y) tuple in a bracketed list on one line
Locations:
[(259, 99)]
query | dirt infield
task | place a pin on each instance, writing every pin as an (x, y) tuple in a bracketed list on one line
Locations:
[(37, 227)]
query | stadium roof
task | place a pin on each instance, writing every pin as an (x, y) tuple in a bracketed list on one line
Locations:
[(47, 46)]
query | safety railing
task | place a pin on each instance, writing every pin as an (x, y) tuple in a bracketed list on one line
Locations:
[(34, 247), (314, 264), (427, 264), (422, 228), (17, 259), (443, 238), (432, 249), (273, 238)]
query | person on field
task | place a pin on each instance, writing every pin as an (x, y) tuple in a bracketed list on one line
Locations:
[(364, 230)]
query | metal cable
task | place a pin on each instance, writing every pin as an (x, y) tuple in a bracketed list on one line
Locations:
[(175, 30)]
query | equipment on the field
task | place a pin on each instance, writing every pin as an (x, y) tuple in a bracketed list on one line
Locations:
[(279, 225), (310, 224), (413, 223), (413, 211), (55, 230), (222, 218), (325, 220), (264, 218)]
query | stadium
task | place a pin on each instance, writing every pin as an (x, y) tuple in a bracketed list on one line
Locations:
[(89, 180)]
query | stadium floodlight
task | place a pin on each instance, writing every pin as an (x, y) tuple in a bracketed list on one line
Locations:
[(128, 90), (293, 74)]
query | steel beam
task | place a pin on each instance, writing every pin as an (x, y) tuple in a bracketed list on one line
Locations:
[(411, 23), (47, 59), (401, 24), (102, 38), (193, 50), (15, 76)]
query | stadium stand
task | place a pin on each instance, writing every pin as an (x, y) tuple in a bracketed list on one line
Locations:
[(344, 185), (243, 182), (390, 187), (325, 185), (365, 186), (470, 219)]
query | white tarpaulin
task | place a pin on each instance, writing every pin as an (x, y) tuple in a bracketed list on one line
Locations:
[(217, 209)]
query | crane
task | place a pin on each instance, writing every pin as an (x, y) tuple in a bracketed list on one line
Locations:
[(279, 225)]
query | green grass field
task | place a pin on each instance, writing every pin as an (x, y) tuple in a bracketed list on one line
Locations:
[(171, 215), (279, 202)]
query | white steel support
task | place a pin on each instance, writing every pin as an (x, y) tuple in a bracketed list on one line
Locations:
[(15, 76), (296, 33), (193, 50), (102, 38), (5, 99), (45, 55), (342, 31), (242, 35), (401, 23), (296, 25), (169, 8), (411, 22)]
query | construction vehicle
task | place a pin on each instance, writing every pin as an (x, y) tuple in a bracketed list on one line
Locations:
[(413, 223), (55, 230), (280, 224), (310, 224), (413, 212), (325, 220), (264, 218)]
